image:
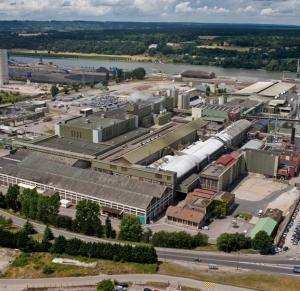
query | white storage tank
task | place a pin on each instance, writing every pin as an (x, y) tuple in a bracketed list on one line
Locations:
[(222, 100), (212, 101), (204, 100), (4, 79)]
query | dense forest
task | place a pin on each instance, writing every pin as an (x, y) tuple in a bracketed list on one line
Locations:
[(274, 48)]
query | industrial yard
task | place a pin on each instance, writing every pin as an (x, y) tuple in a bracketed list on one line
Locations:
[(165, 149)]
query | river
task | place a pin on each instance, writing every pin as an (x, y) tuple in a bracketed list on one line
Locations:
[(240, 74)]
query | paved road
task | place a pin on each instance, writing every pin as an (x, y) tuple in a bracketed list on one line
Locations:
[(20, 284), (273, 264)]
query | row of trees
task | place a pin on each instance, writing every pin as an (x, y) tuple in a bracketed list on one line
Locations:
[(46, 210), (228, 242), (76, 247), (87, 221)]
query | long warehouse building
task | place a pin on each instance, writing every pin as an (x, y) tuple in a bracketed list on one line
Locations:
[(202, 152), (121, 195)]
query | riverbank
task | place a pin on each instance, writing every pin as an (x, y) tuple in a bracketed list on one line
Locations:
[(70, 55)]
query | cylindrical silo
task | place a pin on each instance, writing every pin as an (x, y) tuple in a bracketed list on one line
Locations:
[(186, 101), (3, 67), (221, 100), (180, 101), (169, 92), (174, 94), (212, 101), (204, 100)]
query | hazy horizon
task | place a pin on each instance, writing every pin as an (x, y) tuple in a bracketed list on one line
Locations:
[(281, 12)]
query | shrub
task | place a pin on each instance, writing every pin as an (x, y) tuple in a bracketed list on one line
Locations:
[(48, 270)]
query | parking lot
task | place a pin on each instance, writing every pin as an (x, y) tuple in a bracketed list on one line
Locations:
[(291, 235)]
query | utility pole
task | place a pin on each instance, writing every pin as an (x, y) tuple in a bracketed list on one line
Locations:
[(238, 259)]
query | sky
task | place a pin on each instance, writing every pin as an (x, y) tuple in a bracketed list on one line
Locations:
[(205, 11)]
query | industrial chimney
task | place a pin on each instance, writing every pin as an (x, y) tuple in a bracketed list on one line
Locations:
[(3, 67)]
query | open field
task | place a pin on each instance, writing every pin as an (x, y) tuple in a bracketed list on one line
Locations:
[(232, 48), (80, 55)]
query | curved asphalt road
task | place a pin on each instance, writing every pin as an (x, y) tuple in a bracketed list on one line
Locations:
[(269, 264)]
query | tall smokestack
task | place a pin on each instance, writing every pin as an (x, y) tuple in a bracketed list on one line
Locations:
[(3, 67)]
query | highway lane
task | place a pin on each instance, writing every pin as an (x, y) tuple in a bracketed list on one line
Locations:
[(272, 264), (234, 261)]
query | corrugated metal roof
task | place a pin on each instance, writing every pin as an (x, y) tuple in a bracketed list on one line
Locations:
[(119, 189), (160, 143), (276, 89), (267, 224), (255, 88)]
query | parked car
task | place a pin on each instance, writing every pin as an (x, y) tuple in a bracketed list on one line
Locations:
[(197, 260), (147, 289), (205, 227), (285, 248)]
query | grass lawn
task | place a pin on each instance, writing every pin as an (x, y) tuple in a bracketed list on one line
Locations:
[(31, 266), (263, 282)]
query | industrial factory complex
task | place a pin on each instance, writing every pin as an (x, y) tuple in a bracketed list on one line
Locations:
[(174, 151)]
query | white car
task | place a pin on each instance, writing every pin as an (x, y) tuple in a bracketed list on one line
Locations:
[(205, 227)]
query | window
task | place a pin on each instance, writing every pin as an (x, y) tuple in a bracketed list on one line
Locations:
[(158, 176), (169, 178), (72, 133), (124, 169), (79, 134), (113, 167), (76, 133)]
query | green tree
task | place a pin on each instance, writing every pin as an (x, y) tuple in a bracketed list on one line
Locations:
[(229, 242), (75, 86), (104, 82), (147, 235), (5, 222), (29, 202), (11, 197), (48, 234), (92, 85), (66, 89), (130, 229), (107, 227), (59, 245), (107, 77), (87, 220), (54, 90), (2, 201), (47, 208), (262, 241), (218, 211), (138, 73), (105, 285), (28, 228)]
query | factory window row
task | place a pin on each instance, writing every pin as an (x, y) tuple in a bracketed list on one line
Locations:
[(75, 133)]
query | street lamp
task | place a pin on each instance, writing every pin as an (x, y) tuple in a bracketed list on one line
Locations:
[(237, 262), (165, 254)]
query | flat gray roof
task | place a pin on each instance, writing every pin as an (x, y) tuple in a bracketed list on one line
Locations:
[(76, 146), (91, 122), (213, 170)]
